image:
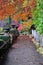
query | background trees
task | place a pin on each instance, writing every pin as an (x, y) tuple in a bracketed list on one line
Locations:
[(38, 16)]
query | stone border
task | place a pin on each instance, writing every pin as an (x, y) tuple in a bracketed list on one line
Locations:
[(37, 44)]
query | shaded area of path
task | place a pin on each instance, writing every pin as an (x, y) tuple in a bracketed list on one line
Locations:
[(23, 52)]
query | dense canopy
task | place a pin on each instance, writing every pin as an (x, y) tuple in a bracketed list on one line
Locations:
[(14, 8)]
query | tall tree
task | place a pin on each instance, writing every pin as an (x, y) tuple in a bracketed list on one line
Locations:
[(38, 16)]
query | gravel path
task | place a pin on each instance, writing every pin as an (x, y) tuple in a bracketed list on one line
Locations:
[(23, 52)]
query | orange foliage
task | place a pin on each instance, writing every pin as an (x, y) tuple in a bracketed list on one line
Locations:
[(27, 24), (10, 10), (16, 18), (32, 3), (24, 16), (28, 11), (6, 10)]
